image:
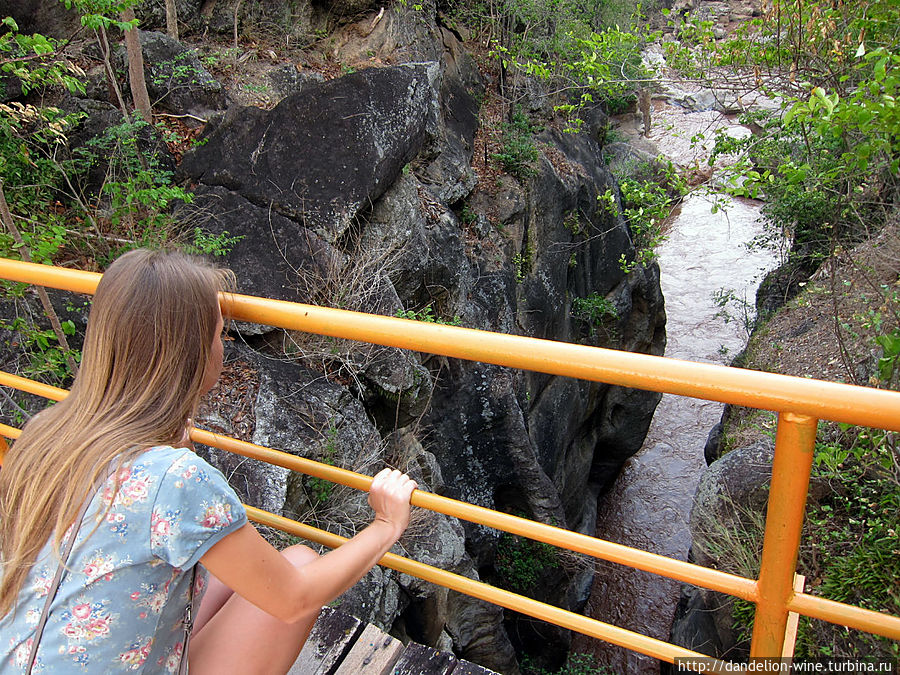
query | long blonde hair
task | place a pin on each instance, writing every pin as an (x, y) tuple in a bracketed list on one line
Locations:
[(146, 347)]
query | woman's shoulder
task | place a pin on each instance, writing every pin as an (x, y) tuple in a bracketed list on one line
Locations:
[(164, 463), (163, 457), (178, 469)]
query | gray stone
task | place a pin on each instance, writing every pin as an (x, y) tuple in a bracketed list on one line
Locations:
[(176, 80), (47, 17), (473, 627), (322, 156), (283, 244), (10, 88), (398, 33), (732, 489), (288, 80)]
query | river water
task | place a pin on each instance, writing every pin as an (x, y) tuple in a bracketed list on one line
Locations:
[(649, 504)]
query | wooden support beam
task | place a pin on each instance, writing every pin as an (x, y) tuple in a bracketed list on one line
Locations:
[(790, 631), (332, 636), (417, 659), (374, 653)]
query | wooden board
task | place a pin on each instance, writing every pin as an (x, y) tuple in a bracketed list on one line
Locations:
[(374, 653), (332, 636), (468, 668), (790, 631), (417, 659)]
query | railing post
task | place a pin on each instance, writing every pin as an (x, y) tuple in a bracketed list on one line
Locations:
[(794, 444)]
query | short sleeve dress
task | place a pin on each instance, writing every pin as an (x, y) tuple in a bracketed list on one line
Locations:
[(120, 604)]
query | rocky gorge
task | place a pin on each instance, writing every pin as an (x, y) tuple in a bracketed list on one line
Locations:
[(355, 156), (363, 192)]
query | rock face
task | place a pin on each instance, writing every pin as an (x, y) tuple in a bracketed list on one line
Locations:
[(520, 442), (46, 17), (360, 193), (724, 532), (322, 155)]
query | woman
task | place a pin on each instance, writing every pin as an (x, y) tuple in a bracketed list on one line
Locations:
[(152, 349)]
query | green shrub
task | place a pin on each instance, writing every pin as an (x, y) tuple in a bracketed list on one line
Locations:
[(594, 310), (427, 315), (520, 561), (320, 488), (828, 162), (204, 243), (850, 551), (519, 153)]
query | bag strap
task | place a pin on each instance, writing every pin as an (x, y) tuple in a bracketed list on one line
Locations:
[(54, 586), (188, 624)]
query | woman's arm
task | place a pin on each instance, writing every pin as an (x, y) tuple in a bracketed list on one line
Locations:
[(254, 569)]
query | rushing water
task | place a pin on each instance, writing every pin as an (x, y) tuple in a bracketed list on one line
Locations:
[(649, 505)]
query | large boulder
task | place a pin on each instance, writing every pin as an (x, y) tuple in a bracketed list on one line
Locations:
[(323, 156), (258, 234), (726, 535), (176, 80), (47, 17)]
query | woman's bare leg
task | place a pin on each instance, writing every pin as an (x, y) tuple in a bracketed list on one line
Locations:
[(215, 596), (233, 636)]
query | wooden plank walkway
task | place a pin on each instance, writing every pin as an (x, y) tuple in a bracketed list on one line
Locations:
[(341, 644)]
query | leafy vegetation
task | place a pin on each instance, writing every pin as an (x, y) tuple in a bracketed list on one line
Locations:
[(522, 262), (87, 202), (320, 488), (854, 555), (828, 161), (594, 309), (427, 315), (36, 60), (47, 359), (520, 561), (576, 664), (578, 47), (518, 153), (850, 548), (646, 203)]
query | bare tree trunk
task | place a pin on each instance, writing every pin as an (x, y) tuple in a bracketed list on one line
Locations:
[(237, 8), (136, 69), (171, 19), (103, 41)]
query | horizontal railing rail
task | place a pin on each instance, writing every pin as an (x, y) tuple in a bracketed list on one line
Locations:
[(799, 401), (862, 406)]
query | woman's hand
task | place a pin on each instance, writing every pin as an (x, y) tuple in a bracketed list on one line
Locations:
[(389, 497)]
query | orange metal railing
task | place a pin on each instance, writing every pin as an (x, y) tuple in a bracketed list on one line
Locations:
[(799, 402)]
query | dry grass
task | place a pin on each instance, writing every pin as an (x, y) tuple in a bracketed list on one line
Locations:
[(356, 281), (828, 331)]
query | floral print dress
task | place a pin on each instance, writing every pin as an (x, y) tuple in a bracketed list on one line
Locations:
[(120, 604)]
